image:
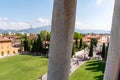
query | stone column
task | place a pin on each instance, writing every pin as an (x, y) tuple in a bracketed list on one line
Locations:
[(113, 60), (63, 22)]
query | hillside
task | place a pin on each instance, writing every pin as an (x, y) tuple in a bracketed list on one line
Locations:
[(48, 28)]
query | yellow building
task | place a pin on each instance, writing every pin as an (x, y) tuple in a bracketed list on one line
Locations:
[(6, 47)]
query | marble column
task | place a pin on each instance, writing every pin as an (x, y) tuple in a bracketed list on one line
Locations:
[(113, 60), (63, 22)]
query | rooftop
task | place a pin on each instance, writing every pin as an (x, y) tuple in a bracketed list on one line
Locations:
[(4, 40)]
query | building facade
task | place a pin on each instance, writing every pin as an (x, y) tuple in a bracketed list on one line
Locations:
[(6, 48)]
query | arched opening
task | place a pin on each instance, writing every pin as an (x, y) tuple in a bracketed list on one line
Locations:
[(14, 52), (8, 52), (2, 53)]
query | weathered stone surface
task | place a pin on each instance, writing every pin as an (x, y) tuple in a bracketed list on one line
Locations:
[(113, 60), (63, 23)]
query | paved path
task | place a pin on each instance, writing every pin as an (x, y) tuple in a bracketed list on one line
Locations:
[(76, 62), (8, 55)]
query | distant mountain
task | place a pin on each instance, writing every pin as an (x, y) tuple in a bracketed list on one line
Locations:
[(14, 31), (48, 28), (36, 30), (6, 31), (85, 31), (2, 31)]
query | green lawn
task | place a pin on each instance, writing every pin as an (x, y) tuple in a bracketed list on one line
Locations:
[(22, 67), (26, 67), (91, 70)]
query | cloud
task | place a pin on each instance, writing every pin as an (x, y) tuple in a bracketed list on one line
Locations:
[(3, 23), (19, 25), (43, 21), (7, 24), (13, 25), (4, 19), (99, 1), (80, 25)]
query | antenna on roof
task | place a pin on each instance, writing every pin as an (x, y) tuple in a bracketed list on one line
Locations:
[(31, 29)]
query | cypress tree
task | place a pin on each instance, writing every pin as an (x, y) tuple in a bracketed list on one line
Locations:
[(91, 49), (107, 51), (95, 42), (73, 50), (34, 46), (103, 51), (39, 44), (80, 43), (26, 43), (76, 42), (29, 45)]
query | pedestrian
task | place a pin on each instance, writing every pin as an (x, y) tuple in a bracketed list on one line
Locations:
[(77, 62)]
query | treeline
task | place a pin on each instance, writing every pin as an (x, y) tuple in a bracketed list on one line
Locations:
[(103, 53), (78, 43), (93, 44), (39, 45)]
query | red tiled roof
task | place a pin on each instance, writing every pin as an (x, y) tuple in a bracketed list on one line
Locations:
[(32, 37), (86, 39), (4, 40)]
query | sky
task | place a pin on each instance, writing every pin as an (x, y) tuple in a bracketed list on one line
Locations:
[(22, 14)]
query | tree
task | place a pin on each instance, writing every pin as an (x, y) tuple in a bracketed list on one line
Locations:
[(106, 51), (48, 38), (73, 50), (95, 42), (91, 49), (39, 44), (44, 36), (81, 42), (103, 55), (29, 46), (20, 35), (76, 37), (34, 46), (25, 44), (84, 44)]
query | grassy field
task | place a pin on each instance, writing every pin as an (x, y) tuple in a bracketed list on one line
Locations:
[(22, 67), (91, 70), (26, 67)]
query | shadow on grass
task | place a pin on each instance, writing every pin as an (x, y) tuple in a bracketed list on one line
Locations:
[(99, 77), (96, 66), (35, 55)]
